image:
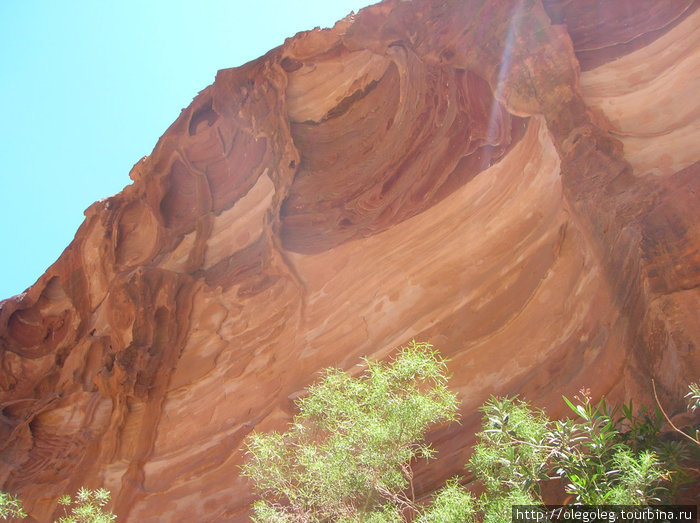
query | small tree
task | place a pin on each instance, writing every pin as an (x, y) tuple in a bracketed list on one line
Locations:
[(347, 455)]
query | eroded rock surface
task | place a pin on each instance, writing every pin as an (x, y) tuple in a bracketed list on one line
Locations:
[(515, 182)]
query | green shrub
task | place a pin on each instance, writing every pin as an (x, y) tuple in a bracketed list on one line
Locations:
[(604, 458), (10, 506), (87, 507), (693, 397), (451, 504), (347, 455)]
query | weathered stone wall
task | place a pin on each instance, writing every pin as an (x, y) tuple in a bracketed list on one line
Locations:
[(515, 182)]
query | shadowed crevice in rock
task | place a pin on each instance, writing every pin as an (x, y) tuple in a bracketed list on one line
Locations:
[(418, 134)]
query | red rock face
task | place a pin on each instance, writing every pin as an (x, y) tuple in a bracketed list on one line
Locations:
[(441, 171)]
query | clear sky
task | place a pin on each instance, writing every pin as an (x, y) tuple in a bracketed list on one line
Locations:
[(88, 86)]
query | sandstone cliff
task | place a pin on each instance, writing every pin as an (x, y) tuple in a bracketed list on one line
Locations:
[(515, 182)]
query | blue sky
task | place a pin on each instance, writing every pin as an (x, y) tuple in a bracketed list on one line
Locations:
[(87, 87)]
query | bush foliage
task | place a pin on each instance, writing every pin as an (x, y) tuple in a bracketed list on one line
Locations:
[(10, 506), (348, 452), (347, 455), (87, 507)]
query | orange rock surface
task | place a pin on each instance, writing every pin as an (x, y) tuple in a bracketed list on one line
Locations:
[(515, 182)]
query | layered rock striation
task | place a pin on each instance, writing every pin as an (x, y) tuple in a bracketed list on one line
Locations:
[(515, 182)]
